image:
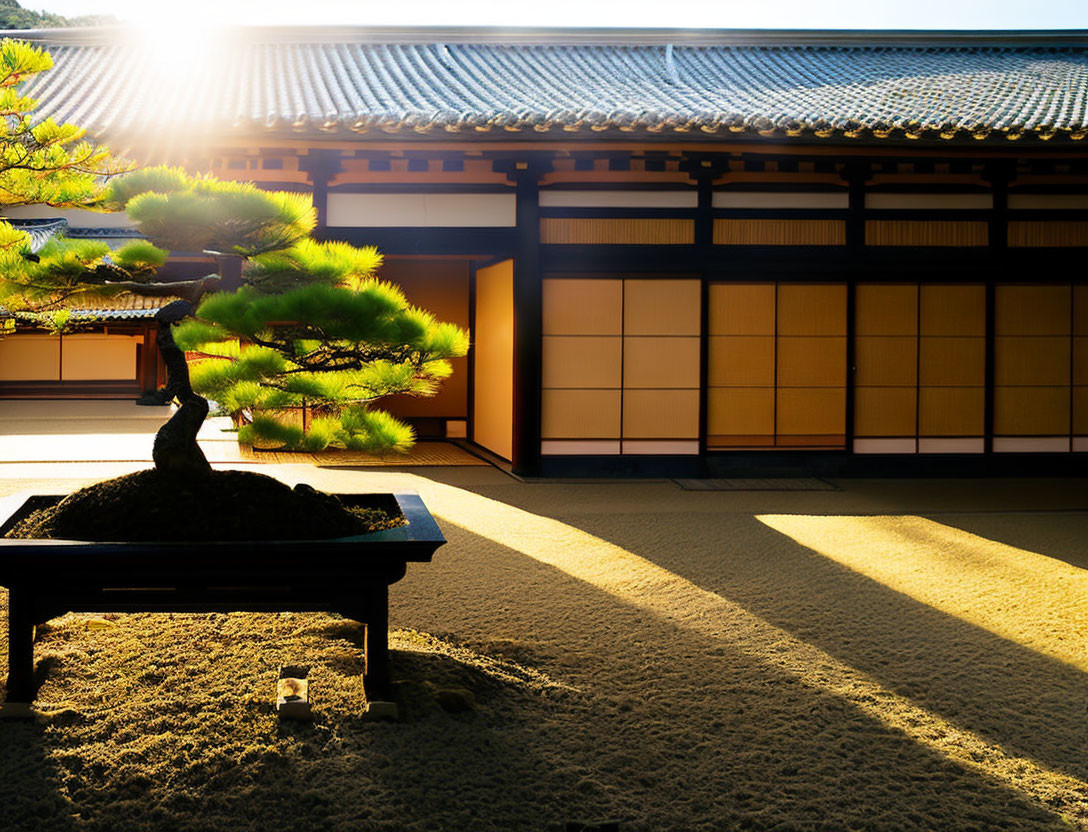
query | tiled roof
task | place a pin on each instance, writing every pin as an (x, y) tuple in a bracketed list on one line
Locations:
[(125, 307), (41, 231), (128, 305), (487, 85), (103, 314)]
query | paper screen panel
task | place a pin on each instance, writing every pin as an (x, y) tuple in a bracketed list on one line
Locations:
[(30, 357), (811, 362), (812, 412), (1032, 355), (660, 362), (592, 361), (660, 414), (886, 309), (741, 365), (953, 309), (741, 309), (885, 411), (811, 309), (1080, 363), (741, 361), (884, 361), (581, 414), (739, 413), (582, 307), (1031, 360), (952, 362), (93, 356), (1032, 310), (1080, 411), (951, 411), (661, 307), (1031, 411)]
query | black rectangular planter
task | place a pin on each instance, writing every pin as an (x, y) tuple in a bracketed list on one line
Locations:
[(346, 575)]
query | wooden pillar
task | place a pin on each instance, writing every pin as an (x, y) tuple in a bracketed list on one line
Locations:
[(148, 376), (321, 166), (704, 172), (528, 318), (999, 175), (230, 270), (856, 175)]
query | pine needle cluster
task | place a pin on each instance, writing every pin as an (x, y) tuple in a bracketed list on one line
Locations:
[(334, 341), (42, 162), (69, 273), (182, 212)]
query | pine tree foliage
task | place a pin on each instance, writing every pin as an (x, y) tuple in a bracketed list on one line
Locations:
[(67, 273), (313, 326), (201, 213), (310, 262), (336, 344), (42, 162)]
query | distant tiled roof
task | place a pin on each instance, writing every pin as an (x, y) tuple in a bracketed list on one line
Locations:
[(126, 307), (41, 231), (106, 314), (554, 83), (129, 305)]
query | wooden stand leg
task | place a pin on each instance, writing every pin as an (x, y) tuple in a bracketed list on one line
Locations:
[(20, 646), (376, 678)]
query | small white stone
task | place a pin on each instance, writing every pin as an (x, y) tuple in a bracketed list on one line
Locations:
[(382, 710)]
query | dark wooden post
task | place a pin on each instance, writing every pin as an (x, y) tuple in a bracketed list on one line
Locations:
[(321, 166), (704, 171), (998, 174), (528, 315), (20, 645), (230, 270), (856, 175), (148, 364)]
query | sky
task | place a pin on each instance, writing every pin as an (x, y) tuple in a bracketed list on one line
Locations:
[(740, 14)]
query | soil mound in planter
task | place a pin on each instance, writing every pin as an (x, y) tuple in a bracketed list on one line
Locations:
[(223, 505)]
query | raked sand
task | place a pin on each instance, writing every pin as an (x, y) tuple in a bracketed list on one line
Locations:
[(897, 655)]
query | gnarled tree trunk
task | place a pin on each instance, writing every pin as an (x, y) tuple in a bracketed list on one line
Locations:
[(176, 450)]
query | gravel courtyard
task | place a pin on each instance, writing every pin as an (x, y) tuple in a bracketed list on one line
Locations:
[(892, 655)]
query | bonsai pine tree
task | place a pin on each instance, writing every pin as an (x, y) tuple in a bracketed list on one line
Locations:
[(312, 323), (312, 326), (174, 211), (315, 327)]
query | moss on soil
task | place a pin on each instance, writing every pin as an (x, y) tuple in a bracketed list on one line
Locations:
[(224, 505)]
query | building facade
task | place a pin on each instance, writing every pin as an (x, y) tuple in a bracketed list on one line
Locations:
[(677, 253)]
